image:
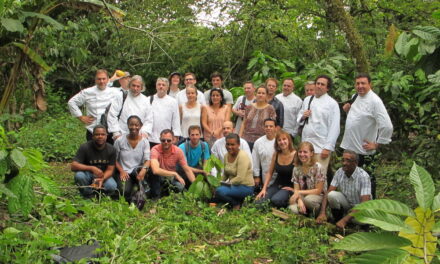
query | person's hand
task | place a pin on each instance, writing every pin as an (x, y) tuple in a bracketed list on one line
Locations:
[(294, 197), (322, 218), (262, 194), (123, 175), (346, 107), (370, 145), (179, 179), (341, 223), (98, 182), (306, 114), (86, 119), (97, 172), (141, 175), (241, 113), (257, 181), (302, 207), (287, 188), (325, 153)]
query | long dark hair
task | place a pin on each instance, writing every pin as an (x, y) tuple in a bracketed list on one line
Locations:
[(222, 102)]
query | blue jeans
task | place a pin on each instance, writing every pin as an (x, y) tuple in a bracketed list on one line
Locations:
[(277, 196), (85, 178), (234, 194)]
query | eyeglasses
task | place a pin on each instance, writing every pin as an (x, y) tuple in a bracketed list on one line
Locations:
[(165, 140), (189, 79)]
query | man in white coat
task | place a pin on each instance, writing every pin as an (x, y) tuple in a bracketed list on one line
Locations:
[(292, 104)]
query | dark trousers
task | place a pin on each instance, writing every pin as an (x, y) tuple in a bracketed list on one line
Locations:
[(126, 188), (160, 185), (110, 140), (367, 162)]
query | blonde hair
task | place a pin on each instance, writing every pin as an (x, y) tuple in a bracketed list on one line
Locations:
[(312, 161)]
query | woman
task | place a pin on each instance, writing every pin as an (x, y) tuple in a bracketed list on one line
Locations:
[(237, 176), (190, 112), (252, 127), (175, 80), (282, 163), (134, 104), (214, 115), (308, 180), (132, 157)]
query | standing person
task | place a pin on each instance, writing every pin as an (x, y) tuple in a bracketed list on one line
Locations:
[(242, 102), (132, 157), (196, 151), (309, 182), (354, 188), (217, 82), (94, 164), (214, 115), (321, 121), (175, 80), (262, 153), (282, 163), (190, 79), (96, 99), (292, 104), (252, 127), (190, 112), (135, 104), (237, 176), (122, 77), (165, 112), (272, 86), (367, 127), (309, 88)]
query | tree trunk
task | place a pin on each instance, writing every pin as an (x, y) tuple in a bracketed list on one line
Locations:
[(335, 10)]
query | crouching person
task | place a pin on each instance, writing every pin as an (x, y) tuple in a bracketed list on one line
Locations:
[(354, 187), (238, 181), (164, 160), (94, 164)]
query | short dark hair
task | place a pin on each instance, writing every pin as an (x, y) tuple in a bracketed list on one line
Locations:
[(363, 75), (272, 79), (354, 154), (134, 117), (98, 127), (217, 74), (329, 80), (223, 101), (270, 119), (175, 73), (233, 136), (167, 131), (194, 127), (190, 73), (262, 86)]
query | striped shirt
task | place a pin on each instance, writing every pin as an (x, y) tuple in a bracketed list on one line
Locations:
[(353, 187)]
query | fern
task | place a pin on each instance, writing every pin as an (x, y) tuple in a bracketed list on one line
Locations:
[(22, 187), (47, 184)]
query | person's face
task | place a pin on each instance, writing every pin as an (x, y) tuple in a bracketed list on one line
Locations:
[(288, 87), (216, 97), (249, 89), (305, 154), (99, 136), (216, 82), (101, 80), (190, 79), (321, 87), (310, 89), (261, 95), (191, 94), (134, 126), (232, 146), (161, 88), (227, 128), (194, 136), (348, 163), (269, 129), (135, 87), (272, 87), (175, 80), (166, 140), (283, 142), (362, 86), (124, 82)]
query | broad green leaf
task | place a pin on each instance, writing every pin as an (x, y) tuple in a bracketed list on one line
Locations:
[(22, 187), (32, 55), (213, 181), (3, 167), (387, 206), (383, 220), (6, 191), (423, 224), (371, 241), (424, 35), (436, 203), (207, 191), (35, 159), (3, 154), (51, 239), (11, 230), (252, 63), (382, 256), (423, 185), (436, 227), (46, 18), (47, 184), (12, 25), (18, 158)]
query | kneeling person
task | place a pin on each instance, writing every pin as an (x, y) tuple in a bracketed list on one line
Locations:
[(94, 163), (196, 151)]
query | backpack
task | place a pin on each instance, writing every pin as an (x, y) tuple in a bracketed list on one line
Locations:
[(187, 146), (104, 116), (70, 254), (305, 121)]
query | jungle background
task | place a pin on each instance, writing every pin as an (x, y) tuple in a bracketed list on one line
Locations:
[(51, 49)]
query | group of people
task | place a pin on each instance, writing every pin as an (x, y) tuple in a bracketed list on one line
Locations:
[(166, 138)]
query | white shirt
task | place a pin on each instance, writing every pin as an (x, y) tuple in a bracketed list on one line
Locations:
[(95, 100), (322, 129), (229, 99), (262, 156), (237, 106), (367, 119), (165, 116), (182, 99), (219, 150), (133, 105), (292, 104), (130, 157)]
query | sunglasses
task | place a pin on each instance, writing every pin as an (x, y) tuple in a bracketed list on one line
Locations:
[(165, 140)]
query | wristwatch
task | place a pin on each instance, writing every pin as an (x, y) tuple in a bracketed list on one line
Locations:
[(145, 167)]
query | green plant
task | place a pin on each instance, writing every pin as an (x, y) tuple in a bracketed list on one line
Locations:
[(415, 242), (204, 185)]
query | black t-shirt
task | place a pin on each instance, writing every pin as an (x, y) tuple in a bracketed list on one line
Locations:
[(88, 154)]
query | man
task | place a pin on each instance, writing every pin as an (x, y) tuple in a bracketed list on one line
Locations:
[(320, 115), (165, 112), (292, 104), (309, 88), (242, 102), (94, 163), (354, 185), (122, 77), (196, 151), (272, 86), (96, 99), (263, 151), (189, 79), (368, 125), (217, 82), (164, 160)]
